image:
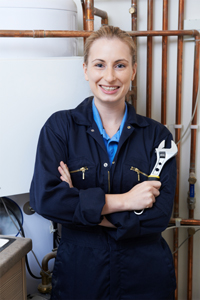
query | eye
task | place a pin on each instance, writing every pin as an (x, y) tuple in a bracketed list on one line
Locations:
[(99, 65), (120, 66)]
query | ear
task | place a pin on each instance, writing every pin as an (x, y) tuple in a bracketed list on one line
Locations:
[(134, 71), (85, 71)]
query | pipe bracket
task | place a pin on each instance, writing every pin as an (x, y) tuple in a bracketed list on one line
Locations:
[(178, 222), (194, 126), (178, 126)]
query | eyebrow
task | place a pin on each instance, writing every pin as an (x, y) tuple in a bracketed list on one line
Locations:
[(118, 60)]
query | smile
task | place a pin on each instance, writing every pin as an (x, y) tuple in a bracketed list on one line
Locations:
[(109, 88)]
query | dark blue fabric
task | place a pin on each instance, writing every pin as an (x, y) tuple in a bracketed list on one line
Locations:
[(93, 262)]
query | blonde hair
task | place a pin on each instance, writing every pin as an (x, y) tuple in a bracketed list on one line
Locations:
[(110, 32)]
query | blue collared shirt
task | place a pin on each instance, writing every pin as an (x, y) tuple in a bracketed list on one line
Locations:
[(110, 143)]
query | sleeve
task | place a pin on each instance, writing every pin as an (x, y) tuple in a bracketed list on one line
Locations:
[(54, 199), (155, 219)]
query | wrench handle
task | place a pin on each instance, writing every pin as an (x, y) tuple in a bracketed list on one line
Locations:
[(153, 177)]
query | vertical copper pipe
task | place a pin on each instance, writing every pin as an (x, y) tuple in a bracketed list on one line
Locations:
[(164, 65), (192, 164), (134, 28), (89, 13), (178, 130), (149, 59), (84, 17)]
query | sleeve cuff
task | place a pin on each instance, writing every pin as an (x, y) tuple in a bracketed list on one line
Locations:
[(89, 210)]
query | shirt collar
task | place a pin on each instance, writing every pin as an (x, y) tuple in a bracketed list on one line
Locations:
[(83, 114), (98, 121)]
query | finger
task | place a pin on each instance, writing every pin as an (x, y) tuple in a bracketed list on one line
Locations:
[(61, 171), (64, 167), (68, 180), (155, 184), (65, 176), (151, 202), (156, 193)]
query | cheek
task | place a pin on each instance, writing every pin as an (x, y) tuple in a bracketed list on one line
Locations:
[(93, 77), (127, 79)]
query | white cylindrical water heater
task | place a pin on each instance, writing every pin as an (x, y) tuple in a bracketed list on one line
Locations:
[(37, 15)]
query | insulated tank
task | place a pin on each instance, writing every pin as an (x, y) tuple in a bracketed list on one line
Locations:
[(38, 15)]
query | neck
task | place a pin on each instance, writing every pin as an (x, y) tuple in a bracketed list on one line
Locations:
[(111, 116)]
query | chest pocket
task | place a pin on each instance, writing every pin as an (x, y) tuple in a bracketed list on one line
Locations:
[(134, 171), (83, 173)]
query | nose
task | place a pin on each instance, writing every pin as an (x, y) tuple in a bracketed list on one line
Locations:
[(109, 74)]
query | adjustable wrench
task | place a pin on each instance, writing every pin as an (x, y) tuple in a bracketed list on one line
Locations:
[(163, 155)]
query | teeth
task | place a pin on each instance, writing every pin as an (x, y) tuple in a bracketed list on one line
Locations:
[(109, 88)]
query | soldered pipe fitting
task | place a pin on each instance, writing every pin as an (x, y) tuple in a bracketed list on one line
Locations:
[(192, 178), (45, 287), (133, 9)]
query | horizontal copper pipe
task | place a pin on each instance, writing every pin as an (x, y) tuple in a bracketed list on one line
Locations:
[(189, 222), (83, 33)]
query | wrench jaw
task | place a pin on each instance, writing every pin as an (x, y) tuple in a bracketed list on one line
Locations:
[(161, 145), (163, 155)]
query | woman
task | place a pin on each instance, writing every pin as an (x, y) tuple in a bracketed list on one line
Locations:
[(91, 176)]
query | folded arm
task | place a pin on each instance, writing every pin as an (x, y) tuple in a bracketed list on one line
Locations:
[(141, 196)]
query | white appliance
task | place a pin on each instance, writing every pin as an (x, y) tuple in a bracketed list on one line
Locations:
[(37, 15), (31, 90), (37, 78)]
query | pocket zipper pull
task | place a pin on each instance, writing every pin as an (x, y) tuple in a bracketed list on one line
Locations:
[(138, 172), (83, 169)]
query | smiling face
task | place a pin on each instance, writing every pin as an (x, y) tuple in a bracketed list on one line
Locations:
[(109, 70)]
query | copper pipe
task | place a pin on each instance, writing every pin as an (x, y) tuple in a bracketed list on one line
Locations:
[(164, 33), (45, 286), (84, 19), (46, 259), (84, 33), (102, 14), (192, 165), (194, 121), (132, 94), (178, 130), (164, 66), (190, 222), (97, 12), (149, 59), (89, 13)]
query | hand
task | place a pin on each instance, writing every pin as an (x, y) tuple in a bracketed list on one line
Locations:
[(65, 175), (106, 223), (143, 195)]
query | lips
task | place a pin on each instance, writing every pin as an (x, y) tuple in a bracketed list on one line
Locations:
[(109, 88)]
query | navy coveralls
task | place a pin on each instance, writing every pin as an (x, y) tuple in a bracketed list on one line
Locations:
[(95, 262)]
